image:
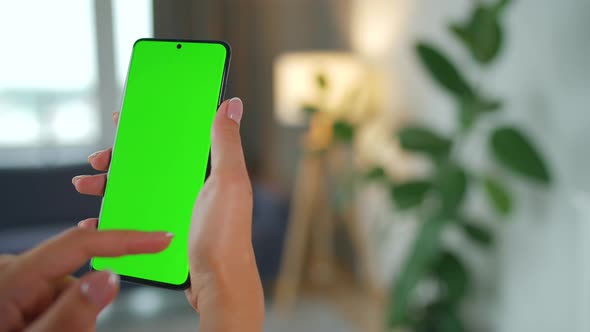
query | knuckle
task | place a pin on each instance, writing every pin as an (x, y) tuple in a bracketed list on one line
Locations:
[(77, 237)]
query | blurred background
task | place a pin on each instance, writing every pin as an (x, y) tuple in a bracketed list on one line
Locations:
[(417, 165)]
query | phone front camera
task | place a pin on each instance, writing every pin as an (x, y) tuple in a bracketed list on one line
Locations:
[(178, 46)]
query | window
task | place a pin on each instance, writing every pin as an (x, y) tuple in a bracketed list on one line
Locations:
[(133, 19), (50, 109)]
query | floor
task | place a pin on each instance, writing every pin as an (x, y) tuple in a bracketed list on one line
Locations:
[(149, 309)]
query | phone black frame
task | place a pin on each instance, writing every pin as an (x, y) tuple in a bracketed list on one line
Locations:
[(222, 91)]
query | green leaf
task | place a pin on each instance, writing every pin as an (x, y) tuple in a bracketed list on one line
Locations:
[(451, 183), (471, 107), (514, 150), (419, 139), (482, 35), (498, 196), (442, 70), (439, 317), (468, 113), (309, 109), (453, 277), (343, 131), (321, 81), (461, 32), (488, 105), (410, 194), (478, 234), (487, 35), (376, 173), (501, 5), (424, 251)]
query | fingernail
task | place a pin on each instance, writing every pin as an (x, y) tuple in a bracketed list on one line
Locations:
[(235, 108), (99, 286), (76, 179), (115, 116), (170, 235), (85, 224), (93, 155)]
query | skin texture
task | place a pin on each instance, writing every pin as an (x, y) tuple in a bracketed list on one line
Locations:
[(37, 292), (225, 285)]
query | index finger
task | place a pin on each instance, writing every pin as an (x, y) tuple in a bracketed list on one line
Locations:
[(66, 252)]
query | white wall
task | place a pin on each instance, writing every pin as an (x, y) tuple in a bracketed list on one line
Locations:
[(542, 275)]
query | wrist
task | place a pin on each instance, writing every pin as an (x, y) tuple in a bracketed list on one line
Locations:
[(234, 306), (228, 294)]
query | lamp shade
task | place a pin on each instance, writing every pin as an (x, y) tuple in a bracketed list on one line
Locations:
[(326, 79)]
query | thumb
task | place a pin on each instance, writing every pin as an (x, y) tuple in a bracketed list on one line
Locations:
[(226, 144), (78, 307)]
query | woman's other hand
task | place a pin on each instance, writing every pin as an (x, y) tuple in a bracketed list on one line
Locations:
[(37, 292)]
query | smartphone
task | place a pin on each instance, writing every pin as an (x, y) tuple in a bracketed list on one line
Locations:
[(161, 153)]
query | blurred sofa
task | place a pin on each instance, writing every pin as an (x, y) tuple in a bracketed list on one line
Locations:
[(37, 203)]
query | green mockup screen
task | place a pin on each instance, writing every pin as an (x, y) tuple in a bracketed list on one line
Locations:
[(161, 151)]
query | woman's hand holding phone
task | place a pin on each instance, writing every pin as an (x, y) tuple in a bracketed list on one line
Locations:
[(225, 286)]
